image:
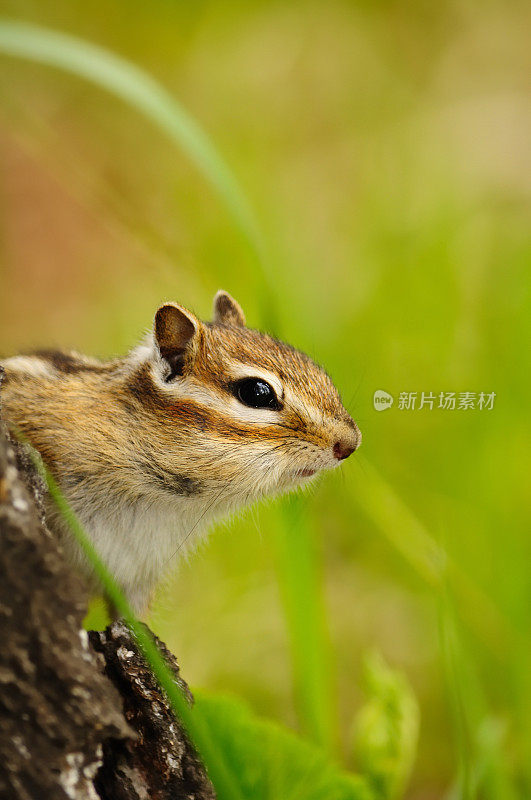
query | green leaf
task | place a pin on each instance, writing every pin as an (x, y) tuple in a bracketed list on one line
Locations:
[(386, 730), (271, 762)]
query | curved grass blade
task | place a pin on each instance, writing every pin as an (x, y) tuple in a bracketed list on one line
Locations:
[(140, 90), (225, 783)]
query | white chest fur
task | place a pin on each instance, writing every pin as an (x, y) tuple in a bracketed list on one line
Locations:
[(138, 541)]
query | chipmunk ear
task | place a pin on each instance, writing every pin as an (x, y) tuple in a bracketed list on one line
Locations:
[(176, 332), (227, 311)]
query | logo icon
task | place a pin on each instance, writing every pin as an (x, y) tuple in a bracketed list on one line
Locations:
[(382, 400)]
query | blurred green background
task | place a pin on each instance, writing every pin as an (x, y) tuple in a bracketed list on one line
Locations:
[(384, 148)]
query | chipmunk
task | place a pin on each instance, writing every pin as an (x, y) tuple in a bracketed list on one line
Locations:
[(199, 420)]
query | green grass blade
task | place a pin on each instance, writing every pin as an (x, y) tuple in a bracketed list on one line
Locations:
[(134, 86), (301, 591), (225, 783), (481, 735), (382, 504)]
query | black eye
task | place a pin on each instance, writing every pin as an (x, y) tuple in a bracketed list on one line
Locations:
[(256, 393)]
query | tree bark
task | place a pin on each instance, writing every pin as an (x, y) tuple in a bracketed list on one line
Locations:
[(81, 716), (159, 762)]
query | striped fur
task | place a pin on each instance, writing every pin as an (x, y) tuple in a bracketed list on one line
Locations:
[(151, 448)]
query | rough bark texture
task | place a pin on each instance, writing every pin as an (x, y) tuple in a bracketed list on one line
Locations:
[(81, 717), (159, 763), (56, 708)]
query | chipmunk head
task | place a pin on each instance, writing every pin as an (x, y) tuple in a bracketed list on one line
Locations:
[(254, 414)]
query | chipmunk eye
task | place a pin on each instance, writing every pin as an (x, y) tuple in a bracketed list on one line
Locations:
[(256, 393)]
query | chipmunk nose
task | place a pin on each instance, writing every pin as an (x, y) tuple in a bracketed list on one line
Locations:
[(344, 449)]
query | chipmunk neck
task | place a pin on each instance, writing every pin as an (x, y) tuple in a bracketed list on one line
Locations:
[(100, 447)]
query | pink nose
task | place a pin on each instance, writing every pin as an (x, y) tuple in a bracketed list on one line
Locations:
[(343, 450)]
